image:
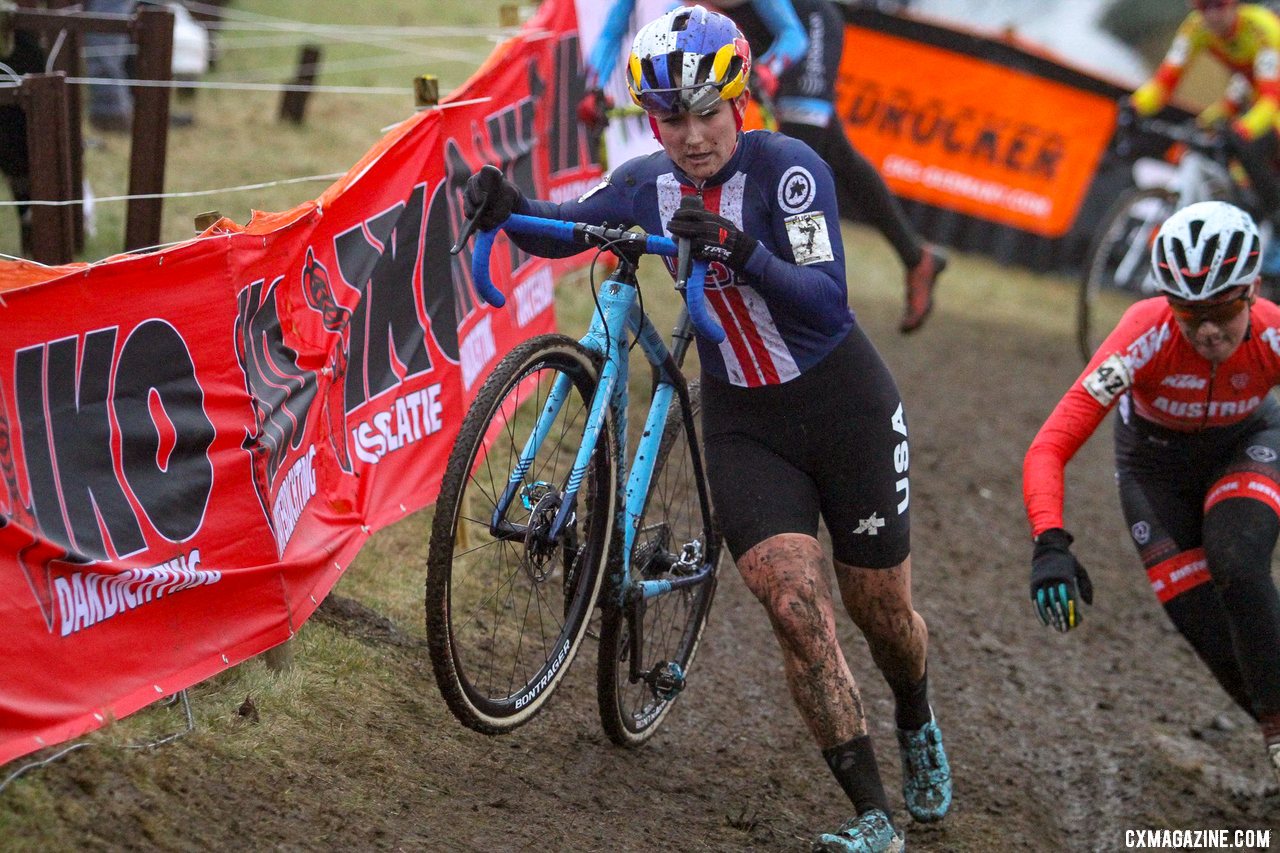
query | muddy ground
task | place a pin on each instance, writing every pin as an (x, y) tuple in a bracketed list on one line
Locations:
[(1058, 743)]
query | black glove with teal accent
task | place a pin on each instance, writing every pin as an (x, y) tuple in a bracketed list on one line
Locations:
[(489, 192), (712, 237), (1058, 582)]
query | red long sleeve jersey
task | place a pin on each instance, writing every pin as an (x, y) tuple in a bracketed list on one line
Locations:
[(1150, 368)]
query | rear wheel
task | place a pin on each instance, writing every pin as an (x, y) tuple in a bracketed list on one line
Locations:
[(1119, 258), (508, 605), (676, 523)]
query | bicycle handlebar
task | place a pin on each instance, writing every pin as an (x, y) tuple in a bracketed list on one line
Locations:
[(589, 236), (1187, 133)]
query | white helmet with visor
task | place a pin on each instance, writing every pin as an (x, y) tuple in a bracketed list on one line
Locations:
[(1204, 249)]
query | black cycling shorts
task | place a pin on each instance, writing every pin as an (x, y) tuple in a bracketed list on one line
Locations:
[(831, 443), (1165, 475)]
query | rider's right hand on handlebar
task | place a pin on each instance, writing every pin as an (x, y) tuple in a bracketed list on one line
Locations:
[(490, 198), (1058, 582), (713, 237)]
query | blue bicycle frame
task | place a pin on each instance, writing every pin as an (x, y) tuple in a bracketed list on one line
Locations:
[(617, 317)]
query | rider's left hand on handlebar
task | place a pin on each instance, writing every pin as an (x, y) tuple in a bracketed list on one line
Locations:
[(712, 237), (503, 197)]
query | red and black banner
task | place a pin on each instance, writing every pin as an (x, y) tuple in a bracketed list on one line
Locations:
[(196, 442)]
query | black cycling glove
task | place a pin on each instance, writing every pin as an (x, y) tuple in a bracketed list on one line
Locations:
[(503, 197), (712, 237), (1058, 582)]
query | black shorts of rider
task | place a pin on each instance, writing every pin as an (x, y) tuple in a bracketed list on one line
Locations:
[(831, 443), (1164, 475)]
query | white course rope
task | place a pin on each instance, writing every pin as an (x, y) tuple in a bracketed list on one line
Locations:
[(247, 87), (352, 34), (188, 194)]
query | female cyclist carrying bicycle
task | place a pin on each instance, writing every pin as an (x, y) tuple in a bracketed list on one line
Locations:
[(799, 43), (1197, 447), (781, 448)]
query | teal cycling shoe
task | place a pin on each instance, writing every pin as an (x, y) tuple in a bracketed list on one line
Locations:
[(869, 832), (926, 775)]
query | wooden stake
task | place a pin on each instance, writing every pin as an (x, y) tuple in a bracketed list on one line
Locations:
[(153, 32), (426, 90), (294, 102), (206, 220)]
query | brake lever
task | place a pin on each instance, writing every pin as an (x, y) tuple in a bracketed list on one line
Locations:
[(469, 227)]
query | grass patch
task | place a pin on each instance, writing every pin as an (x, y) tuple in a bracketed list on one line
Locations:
[(237, 138)]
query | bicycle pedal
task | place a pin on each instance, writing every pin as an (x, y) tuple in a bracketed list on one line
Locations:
[(667, 680)]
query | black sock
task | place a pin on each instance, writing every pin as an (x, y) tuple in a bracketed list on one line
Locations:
[(911, 709), (854, 766)]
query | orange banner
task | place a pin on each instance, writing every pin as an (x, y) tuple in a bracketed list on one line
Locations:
[(962, 133)]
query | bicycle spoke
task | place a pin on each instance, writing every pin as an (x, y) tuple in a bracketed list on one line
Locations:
[(500, 618)]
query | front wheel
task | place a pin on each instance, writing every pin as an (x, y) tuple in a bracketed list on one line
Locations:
[(1119, 258), (508, 603), (647, 645)]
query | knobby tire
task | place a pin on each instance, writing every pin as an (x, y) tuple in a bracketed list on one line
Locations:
[(676, 511), (1129, 225), (505, 618)]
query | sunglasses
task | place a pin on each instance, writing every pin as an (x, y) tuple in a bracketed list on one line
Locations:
[(698, 99), (1195, 313)]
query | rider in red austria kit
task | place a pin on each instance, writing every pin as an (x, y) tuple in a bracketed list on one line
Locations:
[(1197, 456), (782, 450)]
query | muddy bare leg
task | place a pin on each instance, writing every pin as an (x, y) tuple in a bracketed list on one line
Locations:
[(879, 602), (787, 573)]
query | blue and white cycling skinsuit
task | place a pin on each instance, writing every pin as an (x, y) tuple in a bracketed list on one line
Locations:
[(780, 448), (801, 41)]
